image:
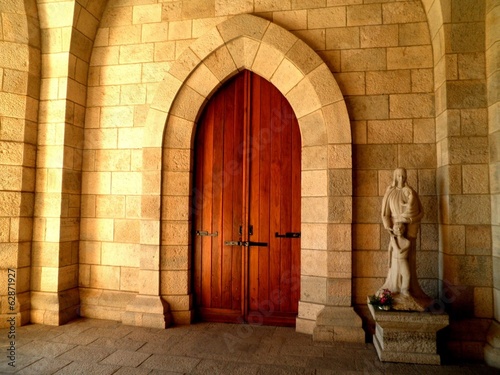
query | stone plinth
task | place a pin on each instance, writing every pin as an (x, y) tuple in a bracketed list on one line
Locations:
[(408, 337), (338, 323)]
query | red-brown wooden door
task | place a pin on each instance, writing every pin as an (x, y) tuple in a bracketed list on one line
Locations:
[(246, 205)]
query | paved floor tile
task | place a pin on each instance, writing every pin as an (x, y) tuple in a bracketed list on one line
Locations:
[(44, 366), (170, 363), (105, 347), (45, 349), (115, 344), (86, 354), (133, 371), (126, 358), (79, 368)]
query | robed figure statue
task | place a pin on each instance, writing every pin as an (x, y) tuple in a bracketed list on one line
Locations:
[(401, 215)]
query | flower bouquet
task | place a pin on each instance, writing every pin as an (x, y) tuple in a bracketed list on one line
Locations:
[(383, 300)]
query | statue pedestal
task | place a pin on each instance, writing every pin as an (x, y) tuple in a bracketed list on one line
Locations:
[(407, 337)]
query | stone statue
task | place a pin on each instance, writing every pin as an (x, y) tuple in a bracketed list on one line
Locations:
[(401, 215)]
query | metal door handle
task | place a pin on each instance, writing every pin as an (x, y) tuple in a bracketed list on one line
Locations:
[(205, 233), (288, 235), (244, 243)]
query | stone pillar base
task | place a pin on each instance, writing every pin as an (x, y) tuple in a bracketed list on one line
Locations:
[(147, 311), (53, 308), (338, 323), (492, 347), (407, 337)]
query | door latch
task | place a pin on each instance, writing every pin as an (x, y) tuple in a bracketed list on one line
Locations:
[(205, 233), (288, 235), (244, 243)]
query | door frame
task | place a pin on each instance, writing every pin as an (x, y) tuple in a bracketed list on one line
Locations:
[(248, 42)]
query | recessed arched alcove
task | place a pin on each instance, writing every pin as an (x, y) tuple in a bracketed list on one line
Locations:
[(252, 43)]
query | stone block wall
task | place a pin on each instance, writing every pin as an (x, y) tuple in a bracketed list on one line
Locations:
[(19, 97), (95, 212)]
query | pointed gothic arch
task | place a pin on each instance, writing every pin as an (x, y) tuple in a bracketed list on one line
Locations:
[(248, 42)]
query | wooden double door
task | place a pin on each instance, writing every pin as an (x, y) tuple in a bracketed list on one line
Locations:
[(246, 206)]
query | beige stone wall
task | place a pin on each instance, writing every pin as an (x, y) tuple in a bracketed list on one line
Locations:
[(95, 205), (19, 94), (492, 46)]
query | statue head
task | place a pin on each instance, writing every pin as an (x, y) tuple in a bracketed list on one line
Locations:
[(399, 178), (398, 228)]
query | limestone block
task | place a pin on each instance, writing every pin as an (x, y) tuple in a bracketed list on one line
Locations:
[(339, 264), (312, 134), (469, 270), (187, 104), (84, 275), (150, 232), (164, 51), (96, 229), (313, 263), (174, 282), (127, 231), (314, 210), (470, 209), (366, 236), (413, 34), (340, 209), (120, 254), (468, 94), (389, 131), (313, 289), (175, 258), (176, 233), (303, 98), (411, 105), (133, 207), (90, 252), (105, 277), (365, 183), (483, 302), (176, 207), (389, 82), (343, 38), (251, 26), (44, 279), (129, 278), (373, 107), (453, 237), (179, 30), (376, 156), (126, 183), (314, 183), (291, 19), (424, 131), (99, 96), (314, 157), (314, 236), (121, 74), (176, 183), (475, 179), (267, 60), (229, 7), (360, 15), (304, 326), (363, 59), (286, 76), (179, 303), (466, 37), (478, 239), (339, 182), (221, 64), (339, 156), (146, 13), (339, 237), (404, 12), (367, 209), (337, 123), (326, 17), (417, 155), (303, 57), (339, 292), (202, 26), (119, 116), (243, 51)]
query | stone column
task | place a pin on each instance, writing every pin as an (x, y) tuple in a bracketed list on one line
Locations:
[(148, 309)]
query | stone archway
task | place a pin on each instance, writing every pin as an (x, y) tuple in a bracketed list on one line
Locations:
[(246, 42)]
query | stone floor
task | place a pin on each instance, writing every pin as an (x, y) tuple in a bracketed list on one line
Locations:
[(89, 346)]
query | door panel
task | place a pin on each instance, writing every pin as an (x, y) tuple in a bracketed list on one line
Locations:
[(247, 189)]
